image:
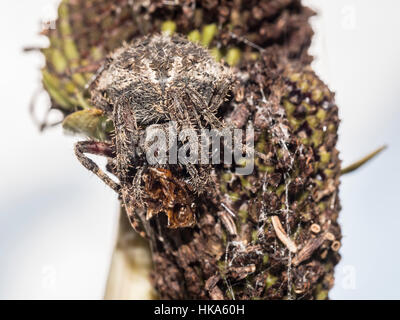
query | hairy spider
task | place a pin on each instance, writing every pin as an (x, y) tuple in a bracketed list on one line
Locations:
[(150, 82)]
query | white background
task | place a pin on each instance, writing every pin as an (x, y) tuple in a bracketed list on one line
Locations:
[(57, 221)]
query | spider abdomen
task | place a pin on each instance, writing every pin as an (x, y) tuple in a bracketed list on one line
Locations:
[(153, 74)]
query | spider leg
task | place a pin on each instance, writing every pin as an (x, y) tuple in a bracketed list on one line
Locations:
[(138, 191), (204, 109), (131, 208), (219, 97), (97, 148), (195, 172), (125, 142), (194, 175), (132, 198), (199, 177), (215, 122)]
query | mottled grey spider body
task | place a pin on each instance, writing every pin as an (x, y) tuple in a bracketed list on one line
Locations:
[(155, 80), (162, 78)]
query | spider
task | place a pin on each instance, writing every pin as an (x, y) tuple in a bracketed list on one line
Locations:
[(152, 81)]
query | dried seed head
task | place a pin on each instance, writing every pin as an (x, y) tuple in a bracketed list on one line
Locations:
[(163, 78)]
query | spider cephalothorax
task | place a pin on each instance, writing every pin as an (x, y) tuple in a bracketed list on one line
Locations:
[(151, 82)]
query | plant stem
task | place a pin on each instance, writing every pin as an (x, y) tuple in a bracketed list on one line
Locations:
[(131, 264)]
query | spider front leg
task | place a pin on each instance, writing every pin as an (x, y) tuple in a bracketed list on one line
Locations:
[(106, 150), (97, 148), (132, 210), (210, 117), (204, 109)]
